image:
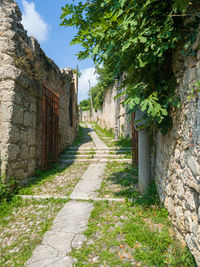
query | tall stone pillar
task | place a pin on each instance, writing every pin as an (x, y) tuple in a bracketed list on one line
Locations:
[(144, 156)]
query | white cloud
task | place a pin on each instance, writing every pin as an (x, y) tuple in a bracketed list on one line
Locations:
[(86, 74), (33, 22)]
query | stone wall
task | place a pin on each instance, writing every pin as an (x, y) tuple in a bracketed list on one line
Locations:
[(24, 69), (111, 115), (177, 163)]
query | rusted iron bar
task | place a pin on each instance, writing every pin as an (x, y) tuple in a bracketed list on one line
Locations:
[(50, 118)]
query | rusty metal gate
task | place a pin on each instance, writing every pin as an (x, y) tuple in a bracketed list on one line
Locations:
[(50, 116), (134, 142)]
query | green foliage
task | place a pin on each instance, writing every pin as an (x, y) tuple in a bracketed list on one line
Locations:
[(151, 197), (116, 229), (103, 132), (77, 141), (85, 104), (123, 142), (7, 189), (195, 90), (181, 5), (135, 38)]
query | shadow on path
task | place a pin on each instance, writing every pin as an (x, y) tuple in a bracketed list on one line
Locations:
[(83, 138)]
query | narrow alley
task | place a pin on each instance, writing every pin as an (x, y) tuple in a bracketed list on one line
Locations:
[(89, 213)]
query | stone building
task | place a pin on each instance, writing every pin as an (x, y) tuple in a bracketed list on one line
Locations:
[(38, 101)]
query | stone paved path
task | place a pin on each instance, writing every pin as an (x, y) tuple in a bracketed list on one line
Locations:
[(103, 153), (67, 229)]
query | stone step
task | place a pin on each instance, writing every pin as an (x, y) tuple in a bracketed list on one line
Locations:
[(108, 155), (101, 156), (100, 149), (94, 160), (77, 152), (92, 152), (79, 148), (65, 156)]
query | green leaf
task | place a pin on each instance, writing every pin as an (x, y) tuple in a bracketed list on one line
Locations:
[(181, 5), (142, 39)]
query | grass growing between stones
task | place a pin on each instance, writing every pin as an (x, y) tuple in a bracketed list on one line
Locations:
[(127, 234), (119, 181), (57, 181), (133, 233), (83, 137), (104, 133), (91, 152), (79, 137), (22, 225), (122, 142)]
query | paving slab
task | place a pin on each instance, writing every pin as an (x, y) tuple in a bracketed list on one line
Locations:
[(90, 181), (97, 141), (71, 221)]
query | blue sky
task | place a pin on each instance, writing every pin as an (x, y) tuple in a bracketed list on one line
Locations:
[(41, 19)]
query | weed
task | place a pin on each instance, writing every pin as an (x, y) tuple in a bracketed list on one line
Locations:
[(134, 233), (122, 142), (124, 235), (151, 197), (119, 180), (8, 188), (79, 137)]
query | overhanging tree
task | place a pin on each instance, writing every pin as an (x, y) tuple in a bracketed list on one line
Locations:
[(133, 37)]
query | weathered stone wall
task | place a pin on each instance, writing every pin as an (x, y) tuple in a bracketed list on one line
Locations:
[(111, 114), (85, 116), (24, 68), (177, 165)]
